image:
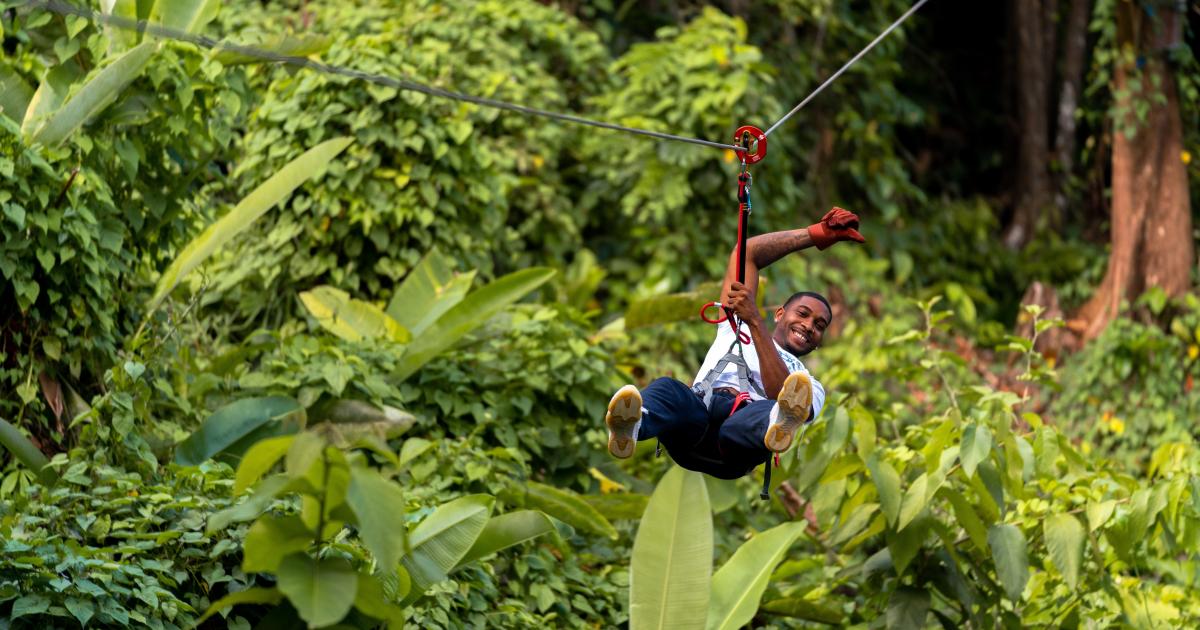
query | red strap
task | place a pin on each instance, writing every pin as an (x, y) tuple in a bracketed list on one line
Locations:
[(742, 397)]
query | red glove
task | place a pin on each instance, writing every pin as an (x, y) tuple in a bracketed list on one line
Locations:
[(836, 225)]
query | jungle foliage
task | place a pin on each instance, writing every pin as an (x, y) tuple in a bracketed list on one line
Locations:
[(279, 347)]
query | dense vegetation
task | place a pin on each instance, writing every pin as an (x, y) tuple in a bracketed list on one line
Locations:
[(281, 347)]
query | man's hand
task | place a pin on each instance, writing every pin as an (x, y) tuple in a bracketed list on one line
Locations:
[(836, 225), (741, 302)]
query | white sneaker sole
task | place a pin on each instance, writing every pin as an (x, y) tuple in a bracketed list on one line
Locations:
[(623, 417), (794, 406)]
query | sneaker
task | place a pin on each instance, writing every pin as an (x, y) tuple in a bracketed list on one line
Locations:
[(791, 411), (624, 418)]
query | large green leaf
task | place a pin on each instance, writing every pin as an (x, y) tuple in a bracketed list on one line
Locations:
[(322, 591), (906, 544), (672, 556), (618, 505), (263, 496), (185, 15), (1009, 553), (1065, 537), (254, 595), (429, 290), (563, 505), (26, 452), (915, 499), (442, 539), (738, 586), (907, 608), (351, 319), (506, 530), (230, 424), (673, 307), (93, 96), (378, 504), (467, 315), (15, 94), (278, 187)]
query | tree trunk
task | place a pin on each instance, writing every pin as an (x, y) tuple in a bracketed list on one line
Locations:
[(1074, 52), (1033, 152), (1151, 215)]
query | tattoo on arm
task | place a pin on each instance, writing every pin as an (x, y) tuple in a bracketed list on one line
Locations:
[(765, 249)]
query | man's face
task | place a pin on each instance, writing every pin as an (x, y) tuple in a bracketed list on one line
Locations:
[(800, 325)]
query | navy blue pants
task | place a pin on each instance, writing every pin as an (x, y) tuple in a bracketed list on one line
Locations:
[(705, 440)]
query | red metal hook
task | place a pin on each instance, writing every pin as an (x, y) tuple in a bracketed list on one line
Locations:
[(760, 151)]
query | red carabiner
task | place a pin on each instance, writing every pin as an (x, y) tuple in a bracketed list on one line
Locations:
[(760, 151)]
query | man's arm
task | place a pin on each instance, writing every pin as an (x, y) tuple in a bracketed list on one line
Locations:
[(762, 251)]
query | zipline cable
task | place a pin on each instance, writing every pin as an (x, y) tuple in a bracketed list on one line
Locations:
[(837, 74), (163, 32)]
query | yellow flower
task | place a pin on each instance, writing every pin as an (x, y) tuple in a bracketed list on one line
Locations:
[(1193, 350), (1186, 157), (730, 156), (1117, 425), (538, 161)]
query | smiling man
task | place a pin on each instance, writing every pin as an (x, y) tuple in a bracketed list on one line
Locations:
[(695, 424)]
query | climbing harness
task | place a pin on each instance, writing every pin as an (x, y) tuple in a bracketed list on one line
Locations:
[(735, 356)]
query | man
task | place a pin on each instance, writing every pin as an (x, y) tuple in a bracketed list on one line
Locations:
[(708, 438)]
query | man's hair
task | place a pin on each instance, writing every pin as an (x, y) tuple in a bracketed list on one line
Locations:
[(811, 294)]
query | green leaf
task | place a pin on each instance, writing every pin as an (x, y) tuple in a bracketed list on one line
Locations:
[(967, 517), (378, 503), (864, 431), (322, 591), (229, 424), (915, 499), (81, 609), (253, 595), (904, 545), (467, 315), (976, 444), (351, 319), (907, 608), (673, 307), (672, 556), (1009, 553), (26, 452), (1098, 513), (309, 165), (189, 16), (1065, 539), (254, 505), (15, 94), (429, 290), (739, 584), (93, 96), (441, 540), (887, 484), (371, 600), (801, 608), (564, 505), (722, 494), (507, 530), (272, 538), (29, 605), (259, 459), (618, 505), (305, 450), (413, 448)]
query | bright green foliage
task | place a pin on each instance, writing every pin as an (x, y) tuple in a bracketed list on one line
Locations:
[(82, 216), (107, 547), (483, 187), (672, 559), (738, 585)]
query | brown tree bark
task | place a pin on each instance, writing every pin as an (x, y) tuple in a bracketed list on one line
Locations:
[(1151, 215), (1033, 76)]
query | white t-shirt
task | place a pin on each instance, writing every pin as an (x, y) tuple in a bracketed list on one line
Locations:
[(728, 377)]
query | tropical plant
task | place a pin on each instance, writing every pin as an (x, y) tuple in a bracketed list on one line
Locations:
[(326, 575)]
